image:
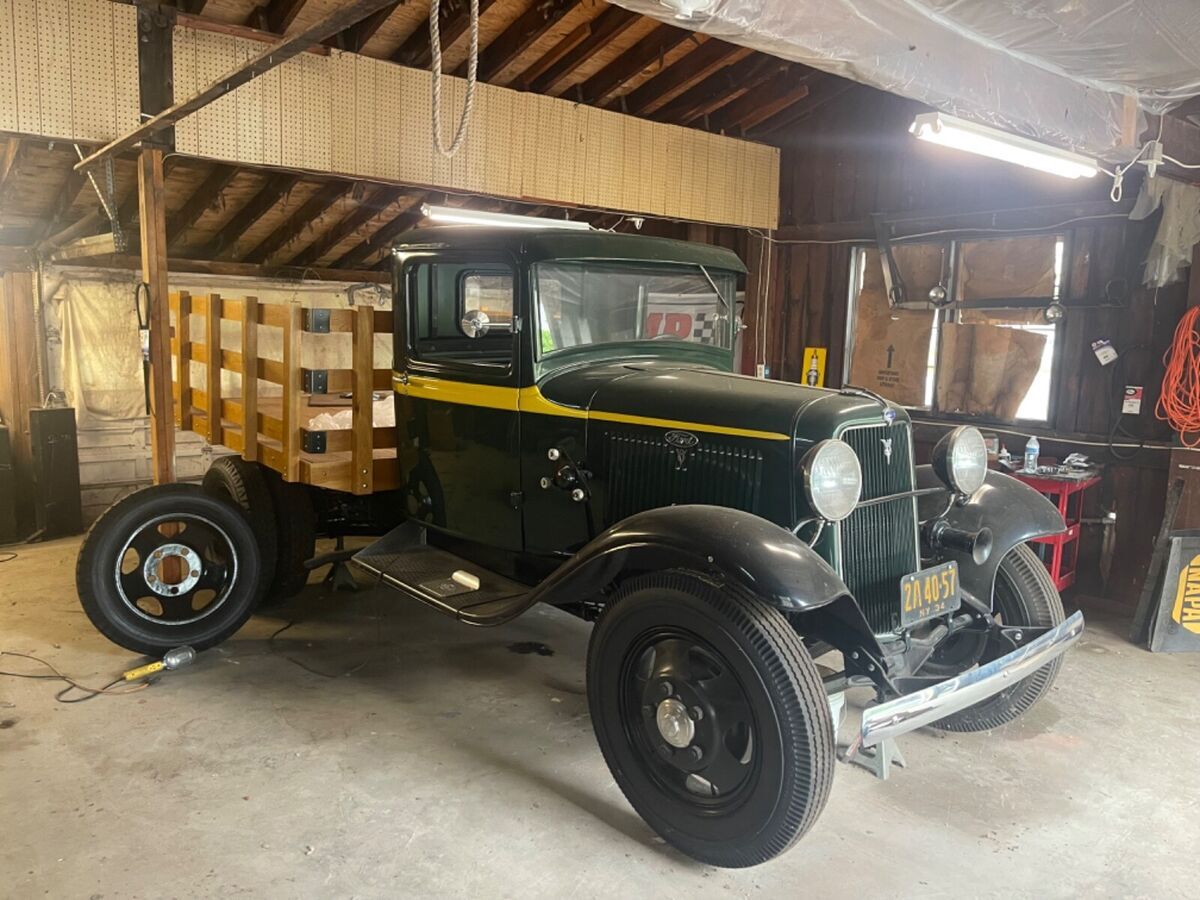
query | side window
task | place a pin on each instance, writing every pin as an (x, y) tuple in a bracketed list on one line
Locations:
[(442, 293)]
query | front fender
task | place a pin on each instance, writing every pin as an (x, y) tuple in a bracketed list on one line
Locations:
[(767, 560), (1014, 512)]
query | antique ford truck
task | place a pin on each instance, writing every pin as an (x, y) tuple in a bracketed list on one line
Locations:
[(569, 431)]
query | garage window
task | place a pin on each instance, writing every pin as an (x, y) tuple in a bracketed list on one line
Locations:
[(988, 352)]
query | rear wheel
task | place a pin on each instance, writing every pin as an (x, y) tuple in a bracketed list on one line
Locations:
[(296, 530), (711, 717), (1024, 595), (243, 484), (167, 566)]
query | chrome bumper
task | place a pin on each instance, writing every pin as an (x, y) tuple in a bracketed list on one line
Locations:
[(907, 713)]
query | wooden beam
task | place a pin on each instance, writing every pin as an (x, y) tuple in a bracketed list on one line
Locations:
[(222, 244), (96, 245), (416, 51), (8, 164), (785, 89), (15, 259), (356, 37), (649, 50), (380, 240), (823, 89), (280, 14), (339, 19), (192, 7), (315, 207), (710, 57), (19, 388), (377, 201), (202, 199), (245, 32), (154, 276), (67, 195), (241, 270), (518, 37), (606, 27), (725, 86)]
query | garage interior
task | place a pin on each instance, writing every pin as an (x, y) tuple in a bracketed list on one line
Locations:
[(352, 742)]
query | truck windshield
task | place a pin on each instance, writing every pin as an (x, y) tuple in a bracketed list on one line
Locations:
[(588, 302)]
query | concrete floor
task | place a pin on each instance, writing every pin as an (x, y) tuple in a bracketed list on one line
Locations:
[(449, 765)]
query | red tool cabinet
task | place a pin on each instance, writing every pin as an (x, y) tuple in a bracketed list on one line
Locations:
[(1060, 552)]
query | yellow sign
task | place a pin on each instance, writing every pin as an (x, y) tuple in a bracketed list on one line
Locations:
[(813, 373), (1187, 597)]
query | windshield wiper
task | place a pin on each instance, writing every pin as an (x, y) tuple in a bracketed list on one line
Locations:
[(716, 290)]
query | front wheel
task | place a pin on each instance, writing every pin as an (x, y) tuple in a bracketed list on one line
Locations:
[(167, 566), (711, 717)]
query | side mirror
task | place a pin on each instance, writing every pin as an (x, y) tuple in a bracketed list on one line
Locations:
[(475, 323)]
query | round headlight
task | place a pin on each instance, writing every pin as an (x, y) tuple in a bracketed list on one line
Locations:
[(832, 479), (960, 459)]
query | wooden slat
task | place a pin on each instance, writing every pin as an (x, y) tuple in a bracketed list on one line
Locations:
[(342, 320), (292, 392), (785, 89), (249, 383), (362, 441), (341, 380), (699, 64), (212, 373), (182, 343), (606, 27), (725, 86), (341, 440), (339, 19), (518, 37), (649, 50), (334, 473)]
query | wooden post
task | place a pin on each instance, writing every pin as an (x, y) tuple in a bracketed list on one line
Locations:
[(183, 358), (292, 392), (19, 338), (250, 379), (152, 207), (362, 442), (212, 375)]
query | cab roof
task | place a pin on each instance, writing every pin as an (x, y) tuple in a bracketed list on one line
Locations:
[(538, 244)]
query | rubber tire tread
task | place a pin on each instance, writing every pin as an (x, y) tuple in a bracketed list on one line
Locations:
[(296, 529), (1035, 591), (801, 703), (99, 538), (232, 478)]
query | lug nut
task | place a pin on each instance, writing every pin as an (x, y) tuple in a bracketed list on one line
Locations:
[(696, 713), (666, 689), (545, 483), (695, 753), (553, 454), (577, 495)]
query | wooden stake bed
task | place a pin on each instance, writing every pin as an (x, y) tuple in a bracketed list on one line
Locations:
[(355, 456)]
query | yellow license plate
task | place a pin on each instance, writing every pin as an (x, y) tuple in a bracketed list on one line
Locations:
[(929, 593)]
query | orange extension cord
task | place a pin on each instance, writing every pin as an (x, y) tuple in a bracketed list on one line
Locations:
[(1179, 402)]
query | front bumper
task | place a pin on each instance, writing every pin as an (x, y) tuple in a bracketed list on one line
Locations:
[(912, 711)]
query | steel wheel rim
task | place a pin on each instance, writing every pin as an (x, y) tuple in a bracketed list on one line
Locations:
[(725, 731), (202, 541)]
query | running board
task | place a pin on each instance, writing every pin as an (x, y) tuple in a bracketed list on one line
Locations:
[(403, 560)]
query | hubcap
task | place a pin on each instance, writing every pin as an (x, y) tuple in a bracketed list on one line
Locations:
[(187, 564), (674, 723)]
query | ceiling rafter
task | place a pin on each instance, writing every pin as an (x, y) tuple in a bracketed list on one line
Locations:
[(724, 87), (381, 238), (8, 163), (273, 190), (649, 50), (524, 31), (67, 195), (295, 224), (416, 50), (205, 197), (755, 107), (607, 26), (280, 14), (823, 89), (372, 205), (355, 37), (707, 59)]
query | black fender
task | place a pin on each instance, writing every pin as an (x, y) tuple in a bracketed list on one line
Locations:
[(1013, 511), (769, 561)]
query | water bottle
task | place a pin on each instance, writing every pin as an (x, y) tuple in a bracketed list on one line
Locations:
[(1032, 450)]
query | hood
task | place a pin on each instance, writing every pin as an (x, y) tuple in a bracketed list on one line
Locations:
[(674, 395)]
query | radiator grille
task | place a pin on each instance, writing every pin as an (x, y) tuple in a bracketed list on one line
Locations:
[(646, 473), (879, 542)]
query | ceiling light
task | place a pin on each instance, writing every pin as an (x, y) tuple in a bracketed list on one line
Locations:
[(960, 134), (688, 9), (449, 215)]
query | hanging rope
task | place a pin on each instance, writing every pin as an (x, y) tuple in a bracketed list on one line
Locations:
[(435, 44), (1179, 402)]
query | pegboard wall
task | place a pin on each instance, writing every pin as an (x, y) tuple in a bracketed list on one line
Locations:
[(68, 68), (363, 117)]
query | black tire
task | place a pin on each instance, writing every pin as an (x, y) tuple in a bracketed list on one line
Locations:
[(1024, 595), (764, 731), (296, 531), (120, 585), (243, 483)]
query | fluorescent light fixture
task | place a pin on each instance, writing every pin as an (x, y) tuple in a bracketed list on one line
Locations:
[(449, 215), (938, 128)]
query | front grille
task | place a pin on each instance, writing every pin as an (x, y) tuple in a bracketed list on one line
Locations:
[(645, 473), (879, 542)]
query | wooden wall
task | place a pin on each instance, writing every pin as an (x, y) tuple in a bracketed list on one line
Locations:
[(857, 159)]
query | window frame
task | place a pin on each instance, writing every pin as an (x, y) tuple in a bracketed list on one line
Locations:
[(950, 313), (493, 270)]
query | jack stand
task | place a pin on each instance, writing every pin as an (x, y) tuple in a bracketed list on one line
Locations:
[(877, 760), (340, 578)]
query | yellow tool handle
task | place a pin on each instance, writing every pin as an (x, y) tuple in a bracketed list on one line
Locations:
[(143, 671)]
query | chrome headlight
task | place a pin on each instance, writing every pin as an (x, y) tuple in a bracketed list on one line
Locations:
[(832, 479), (960, 460)]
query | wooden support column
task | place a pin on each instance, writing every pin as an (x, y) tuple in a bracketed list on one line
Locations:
[(292, 391), (182, 344), (362, 438), (212, 377), (250, 379), (19, 336), (152, 208)]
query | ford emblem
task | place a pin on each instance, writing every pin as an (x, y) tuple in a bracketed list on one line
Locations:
[(681, 440), (889, 415)]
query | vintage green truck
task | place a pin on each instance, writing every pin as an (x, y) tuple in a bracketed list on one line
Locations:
[(569, 431)]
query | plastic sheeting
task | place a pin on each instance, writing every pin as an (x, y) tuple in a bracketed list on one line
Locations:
[(1057, 70), (1178, 231)]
